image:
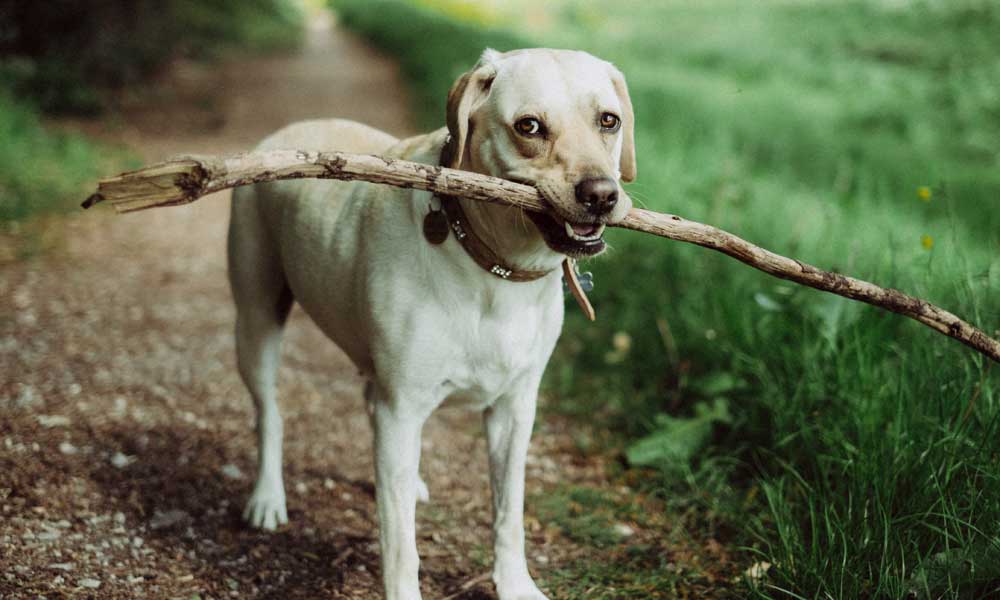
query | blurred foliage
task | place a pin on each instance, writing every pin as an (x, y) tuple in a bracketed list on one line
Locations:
[(41, 170), (863, 455), (478, 12), (432, 48), (61, 53), (63, 56), (678, 439)]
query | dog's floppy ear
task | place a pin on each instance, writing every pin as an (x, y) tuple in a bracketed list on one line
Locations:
[(627, 164), (465, 94)]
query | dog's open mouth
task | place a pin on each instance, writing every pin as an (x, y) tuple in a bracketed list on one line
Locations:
[(572, 239)]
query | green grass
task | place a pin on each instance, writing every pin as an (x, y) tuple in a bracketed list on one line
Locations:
[(43, 171), (634, 549), (862, 457), (101, 45)]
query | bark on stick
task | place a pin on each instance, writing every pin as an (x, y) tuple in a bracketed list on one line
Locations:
[(186, 179)]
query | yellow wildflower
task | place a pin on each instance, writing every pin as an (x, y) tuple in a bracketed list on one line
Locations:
[(924, 193), (621, 341), (927, 242)]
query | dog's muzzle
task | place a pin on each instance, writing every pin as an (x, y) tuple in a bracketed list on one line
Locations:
[(576, 240)]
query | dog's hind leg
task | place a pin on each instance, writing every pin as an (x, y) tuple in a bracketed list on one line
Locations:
[(263, 301)]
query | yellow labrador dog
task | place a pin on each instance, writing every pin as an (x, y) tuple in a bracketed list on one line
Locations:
[(436, 299)]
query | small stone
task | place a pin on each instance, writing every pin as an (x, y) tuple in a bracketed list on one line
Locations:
[(22, 297), (301, 487), (329, 484), (26, 397), (120, 461), (48, 536), (68, 448), (62, 566), (92, 584), (119, 517), (624, 530), (231, 471), (49, 421), (170, 518), (137, 542)]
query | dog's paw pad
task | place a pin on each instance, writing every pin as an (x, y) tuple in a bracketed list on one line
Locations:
[(266, 511), (423, 494)]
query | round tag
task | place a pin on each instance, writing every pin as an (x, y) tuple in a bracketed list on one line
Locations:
[(436, 226)]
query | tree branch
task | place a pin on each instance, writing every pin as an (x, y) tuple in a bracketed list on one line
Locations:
[(187, 179)]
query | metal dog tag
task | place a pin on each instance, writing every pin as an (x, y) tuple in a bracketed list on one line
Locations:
[(436, 226), (571, 281), (585, 278)]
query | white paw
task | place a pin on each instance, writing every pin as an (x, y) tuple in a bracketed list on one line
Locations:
[(518, 588), (423, 494), (266, 508)]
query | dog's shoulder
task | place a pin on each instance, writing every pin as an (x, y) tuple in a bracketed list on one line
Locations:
[(330, 135), (424, 148)]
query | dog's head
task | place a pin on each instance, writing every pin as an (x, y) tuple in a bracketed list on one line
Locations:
[(559, 120)]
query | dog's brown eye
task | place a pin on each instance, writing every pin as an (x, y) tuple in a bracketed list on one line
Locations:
[(529, 126), (610, 122)]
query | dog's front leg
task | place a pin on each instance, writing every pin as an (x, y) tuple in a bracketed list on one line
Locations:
[(398, 424), (508, 431)]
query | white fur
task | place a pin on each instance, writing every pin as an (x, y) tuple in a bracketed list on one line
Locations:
[(424, 322)]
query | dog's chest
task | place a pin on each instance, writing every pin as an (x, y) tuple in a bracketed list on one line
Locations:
[(498, 346)]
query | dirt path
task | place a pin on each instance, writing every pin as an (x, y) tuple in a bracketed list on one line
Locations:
[(126, 445)]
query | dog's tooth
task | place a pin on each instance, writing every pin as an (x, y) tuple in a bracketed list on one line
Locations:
[(569, 230)]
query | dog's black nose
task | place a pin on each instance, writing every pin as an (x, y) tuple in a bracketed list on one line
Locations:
[(597, 194)]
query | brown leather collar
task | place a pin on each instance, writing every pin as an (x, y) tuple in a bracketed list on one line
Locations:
[(475, 247), (479, 250)]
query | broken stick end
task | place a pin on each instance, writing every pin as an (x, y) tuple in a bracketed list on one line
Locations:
[(92, 200)]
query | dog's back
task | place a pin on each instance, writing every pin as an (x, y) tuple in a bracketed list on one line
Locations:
[(315, 135), (265, 216)]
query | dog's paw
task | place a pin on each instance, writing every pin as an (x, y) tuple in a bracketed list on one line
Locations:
[(266, 509), (535, 594), (519, 588), (423, 494)]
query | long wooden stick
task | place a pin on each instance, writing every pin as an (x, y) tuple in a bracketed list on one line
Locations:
[(187, 179)]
